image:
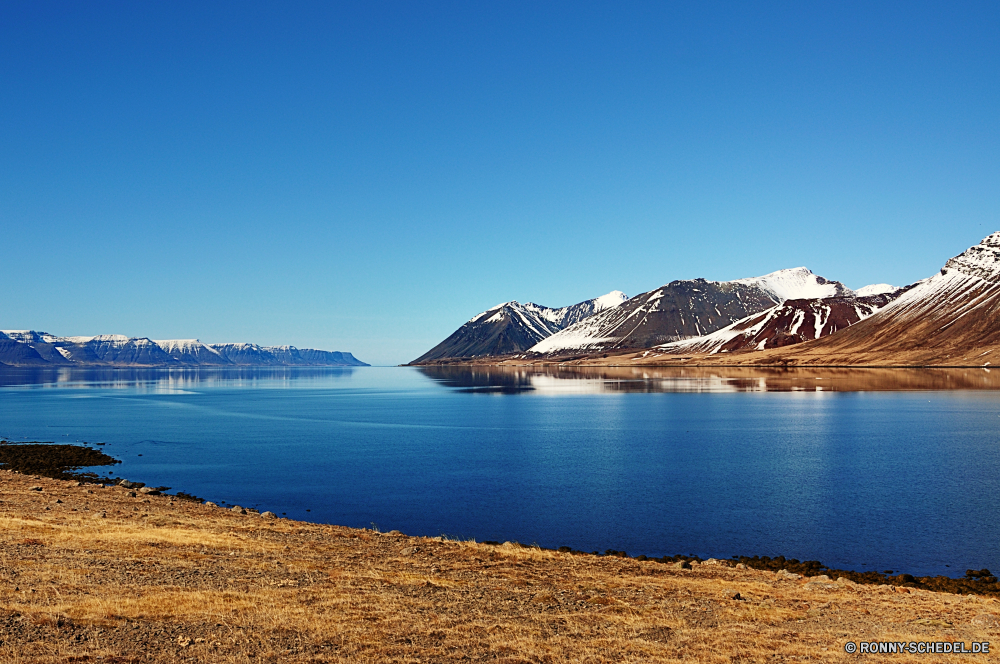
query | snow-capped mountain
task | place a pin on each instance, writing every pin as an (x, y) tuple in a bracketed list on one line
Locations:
[(191, 351), (20, 347), (684, 309), (950, 318), (788, 323), (512, 327)]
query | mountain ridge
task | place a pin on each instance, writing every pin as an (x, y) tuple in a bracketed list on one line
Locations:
[(949, 319), (684, 309), (30, 347), (512, 327)]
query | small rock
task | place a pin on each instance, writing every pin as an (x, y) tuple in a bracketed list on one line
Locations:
[(34, 488), (268, 515), (237, 509), (818, 585), (394, 533), (740, 566), (58, 501), (99, 515), (711, 561), (822, 578), (131, 494), (682, 564), (438, 539), (183, 641), (738, 597), (987, 620), (903, 589), (149, 492), (209, 503), (844, 581), (408, 551), (932, 622), (131, 485), (785, 574)]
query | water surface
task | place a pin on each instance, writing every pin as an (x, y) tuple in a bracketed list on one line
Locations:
[(880, 469)]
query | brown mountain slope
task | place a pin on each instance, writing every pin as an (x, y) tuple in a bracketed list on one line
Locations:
[(950, 319), (791, 322)]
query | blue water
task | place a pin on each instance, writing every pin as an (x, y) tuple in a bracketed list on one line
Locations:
[(904, 480)]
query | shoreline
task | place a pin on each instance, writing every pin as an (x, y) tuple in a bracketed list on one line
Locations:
[(62, 462), (99, 574), (682, 364)]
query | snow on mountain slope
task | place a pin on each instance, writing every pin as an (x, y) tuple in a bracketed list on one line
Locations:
[(24, 336), (797, 283), (684, 309), (791, 322), (246, 354), (876, 289), (948, 319), (513, 327), (191, 351), (31, 347)]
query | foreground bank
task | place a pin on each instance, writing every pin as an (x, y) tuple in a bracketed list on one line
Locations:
[(94, 572)]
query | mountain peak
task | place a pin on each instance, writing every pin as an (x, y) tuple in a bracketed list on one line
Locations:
[(982, 260), (876, 289), (612, 299), (796, 283)]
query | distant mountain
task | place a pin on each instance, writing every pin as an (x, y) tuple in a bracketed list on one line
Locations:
[(513, 327), (28, 347), (192, 351), (791, 322), (684, 309)]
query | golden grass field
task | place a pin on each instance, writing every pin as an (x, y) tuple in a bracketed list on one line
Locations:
[(91, 574)]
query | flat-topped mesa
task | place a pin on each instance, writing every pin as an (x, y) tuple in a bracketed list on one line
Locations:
[(191, 351), (28, 347), (982, 260)]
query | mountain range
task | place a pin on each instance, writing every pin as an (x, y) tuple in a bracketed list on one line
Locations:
[(28, 347), (949, 319), (787, 317), (512, 327)]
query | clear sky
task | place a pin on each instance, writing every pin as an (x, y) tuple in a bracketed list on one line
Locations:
[(367, 176)]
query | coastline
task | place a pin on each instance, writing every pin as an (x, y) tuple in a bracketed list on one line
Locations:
[(63, 462), (96, 573)]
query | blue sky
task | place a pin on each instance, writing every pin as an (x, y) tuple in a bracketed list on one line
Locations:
[(368, 176)]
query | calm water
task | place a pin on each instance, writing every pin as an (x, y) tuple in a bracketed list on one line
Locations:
[(813, 465)]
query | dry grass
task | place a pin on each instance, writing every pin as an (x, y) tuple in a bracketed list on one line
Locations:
[(161, 580)]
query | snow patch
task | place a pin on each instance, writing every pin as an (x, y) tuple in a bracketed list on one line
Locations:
[(797, 283), (876, 289)]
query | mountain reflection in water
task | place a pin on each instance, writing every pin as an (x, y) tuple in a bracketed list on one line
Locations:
[(159, 380), (596, 380)]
